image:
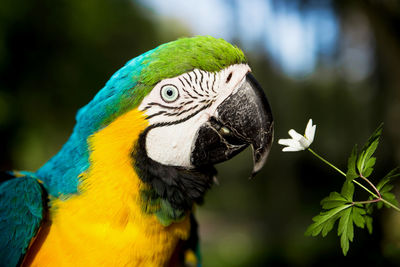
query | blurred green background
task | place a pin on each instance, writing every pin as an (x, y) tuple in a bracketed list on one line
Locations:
[(337, 62)]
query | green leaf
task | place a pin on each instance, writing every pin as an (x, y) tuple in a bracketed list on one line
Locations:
[(368, 222), (325, 221), (391, 198), (347, 214), (360, 161), (328, 226), (333, 200), (388, 178), (345, 230), (387, 188), (384, 187), (367, 151), (358, 218), (351, 165), (369, 166), (348, 190)]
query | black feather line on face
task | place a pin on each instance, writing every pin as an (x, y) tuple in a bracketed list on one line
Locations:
[(181, 187), (213, 83), (191, 96)]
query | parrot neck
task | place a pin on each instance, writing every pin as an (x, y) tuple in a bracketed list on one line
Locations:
[(116, 156), (119, 166), (173, 188)]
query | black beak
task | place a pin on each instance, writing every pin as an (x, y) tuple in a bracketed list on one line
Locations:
[(243, 119)]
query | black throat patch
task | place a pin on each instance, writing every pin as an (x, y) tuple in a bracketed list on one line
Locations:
[(179, 186)]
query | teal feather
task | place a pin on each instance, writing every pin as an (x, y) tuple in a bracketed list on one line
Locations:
[(22, 206)]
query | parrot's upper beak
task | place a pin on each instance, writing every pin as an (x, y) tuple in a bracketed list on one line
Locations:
[(243, 119)]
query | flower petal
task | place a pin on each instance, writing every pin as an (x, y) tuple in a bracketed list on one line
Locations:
[(309, 125), (295, 135), (312, 134), (291, 149), (291, 143), (299, 142), (286, 142), (310, 131)]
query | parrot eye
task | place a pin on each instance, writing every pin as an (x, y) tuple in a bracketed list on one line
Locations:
[(169, 93)]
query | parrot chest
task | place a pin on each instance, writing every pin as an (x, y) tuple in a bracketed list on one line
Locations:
[(73, 241)]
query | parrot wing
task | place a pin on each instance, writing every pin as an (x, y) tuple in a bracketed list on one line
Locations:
[(23, 202)]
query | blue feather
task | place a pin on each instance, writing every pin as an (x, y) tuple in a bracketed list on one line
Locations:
[(22, 205)]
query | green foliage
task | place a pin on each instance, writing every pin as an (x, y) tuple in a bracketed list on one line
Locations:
[(341, 206), (348, 190), (368, 222), (365, 161), (351, 165), (385, 188), (337, 207), (388, 178), (324, 222)]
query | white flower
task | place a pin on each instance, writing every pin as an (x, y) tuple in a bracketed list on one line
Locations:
[(298, 141)]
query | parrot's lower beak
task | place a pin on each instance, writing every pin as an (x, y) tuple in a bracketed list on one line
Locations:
[(243, 119)]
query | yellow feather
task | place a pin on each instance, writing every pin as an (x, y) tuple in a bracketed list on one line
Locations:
[(104, 225)]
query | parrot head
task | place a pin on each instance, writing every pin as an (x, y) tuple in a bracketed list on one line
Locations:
[(202, 106), (206, 108), (200, 118)]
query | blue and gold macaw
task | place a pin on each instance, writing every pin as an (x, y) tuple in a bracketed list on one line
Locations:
[(121, 191)]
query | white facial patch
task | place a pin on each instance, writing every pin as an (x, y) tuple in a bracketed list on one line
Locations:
[(177, 107)]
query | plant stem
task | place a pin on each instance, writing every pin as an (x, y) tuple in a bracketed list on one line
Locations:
[(367, 201), (366, 189), (357, 183), (371, 184), (390, 204), (327, 162), (377, 199)]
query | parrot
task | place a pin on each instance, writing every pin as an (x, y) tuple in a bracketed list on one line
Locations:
[(123, 189)]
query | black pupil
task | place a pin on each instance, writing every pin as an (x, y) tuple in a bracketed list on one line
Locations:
[(170, 92)]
